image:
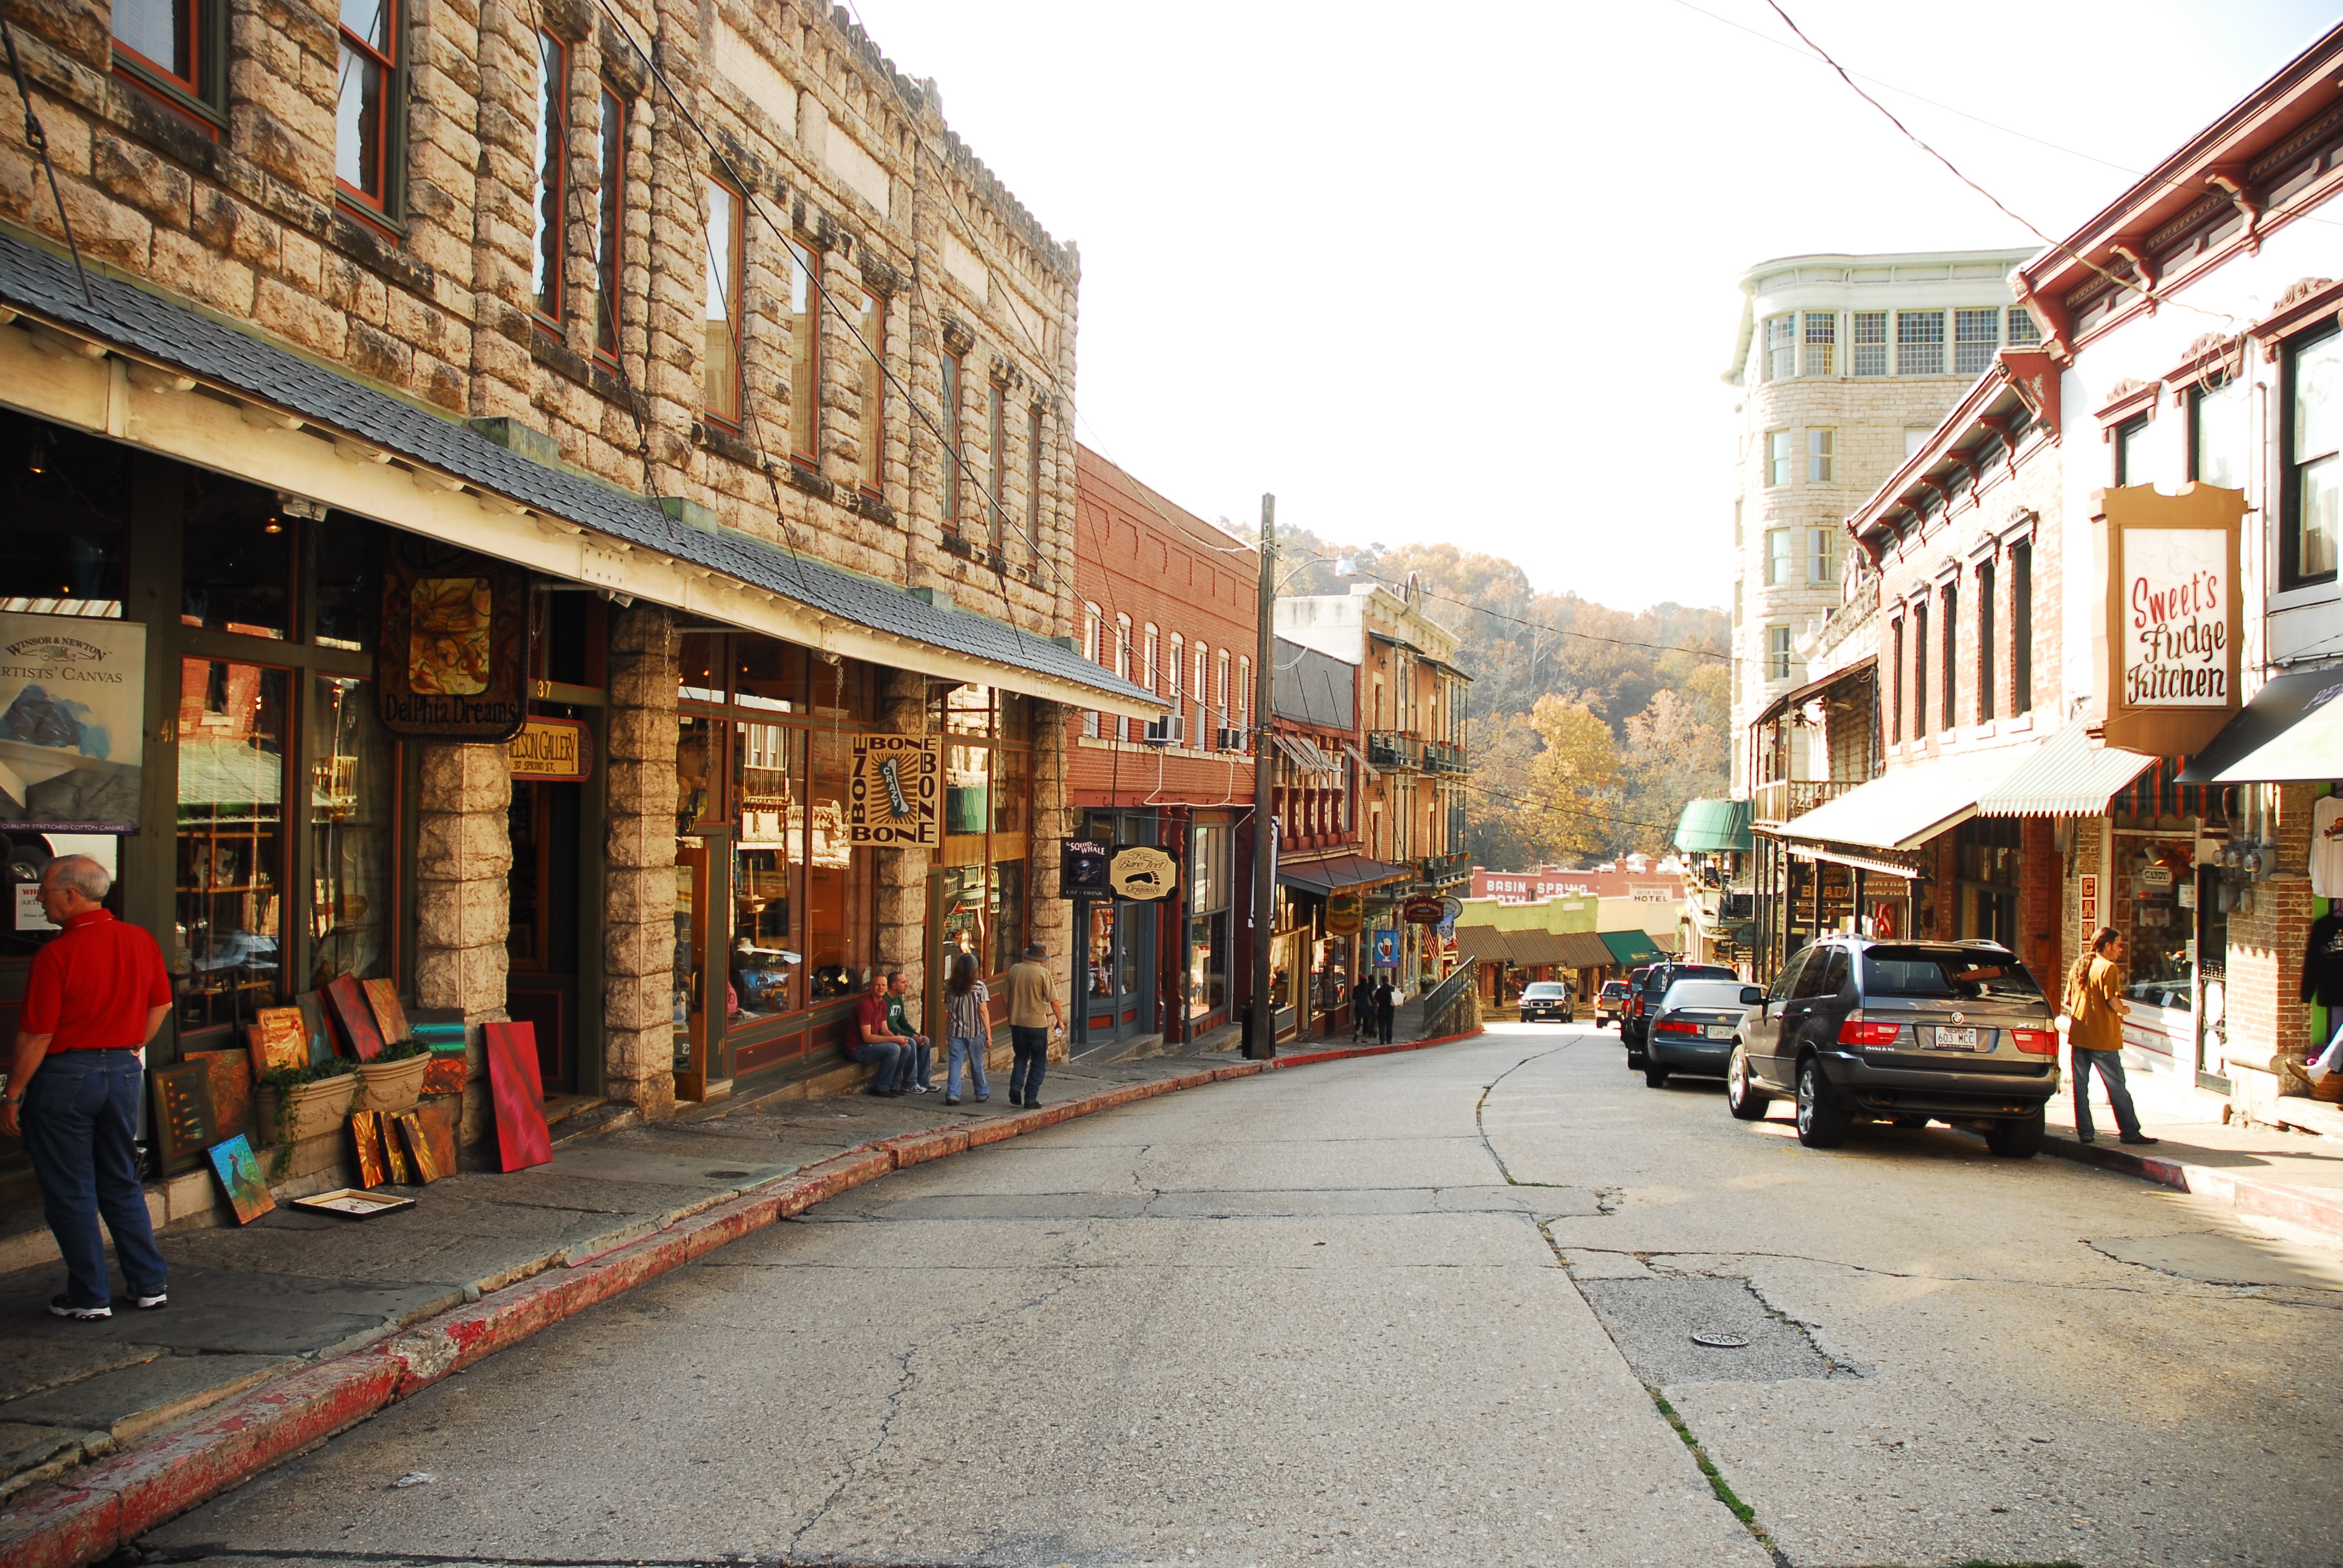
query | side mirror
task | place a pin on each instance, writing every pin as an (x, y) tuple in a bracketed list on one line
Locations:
[(1753, 996)]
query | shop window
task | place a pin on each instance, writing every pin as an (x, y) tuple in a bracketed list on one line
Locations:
[(610, 220), (967, 788), (547, 245), (2311, 516), (1009, 937), (1012, 782), (769, 674), (763, 958), (352, 781), (719, 365), (697, 795), (349, 588), (228, 921), (1987, 854), (365, 102), (699, 667), (840, 930), (238, 574), (63, 551), (804, 316)]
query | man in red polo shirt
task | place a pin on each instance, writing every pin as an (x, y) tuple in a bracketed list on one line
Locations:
[(98, 991)]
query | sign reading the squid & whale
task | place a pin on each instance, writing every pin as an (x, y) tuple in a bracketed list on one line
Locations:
[(2164, 652)]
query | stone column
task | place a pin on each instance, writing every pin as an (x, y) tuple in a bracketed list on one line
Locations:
[(638, 887), (463, 856), (1052, 917), (903, 873)]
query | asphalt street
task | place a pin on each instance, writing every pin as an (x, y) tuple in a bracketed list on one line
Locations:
[(1437, 1308)]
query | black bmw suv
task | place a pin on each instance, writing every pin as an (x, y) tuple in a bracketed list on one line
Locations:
[(1649, 985), (1854, 1029)]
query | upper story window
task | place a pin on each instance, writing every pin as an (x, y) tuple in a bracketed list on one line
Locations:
[(804, 320), (719, 367), (1985, 632), (552, 175), (1171, 669), (2131, 451), (1821, 455), (1822, 555), (950, 369), (1033, 482), (1778, 653), (1778, 458), (1154, 649), (2311, 516), (1244, 701), (1221, 685), (1952, 631), (1122, 646), (1822, 342), (167, 44), (363, 128), (996, 436), (2216, 435), (610, 222), (1869, 342), (1976, 337), (1781, 557), (1919, 343), (870, 322), (2023, 331), (1920, 671), (2021, 630), (1780, 348), (1895, 682)]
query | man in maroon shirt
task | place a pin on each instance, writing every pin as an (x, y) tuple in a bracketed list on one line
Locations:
[(97, 992)]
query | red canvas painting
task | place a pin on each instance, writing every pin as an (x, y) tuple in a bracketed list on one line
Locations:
[(522, 1138), (355, 1017)]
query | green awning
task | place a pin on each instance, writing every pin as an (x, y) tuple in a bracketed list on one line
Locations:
[(1631, 948), (1713, 827)]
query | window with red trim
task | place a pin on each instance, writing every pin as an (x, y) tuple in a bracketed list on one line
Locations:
[(720, 359), (611, 227), (805, 354), (363, 128), (552, 176), (174, 49)]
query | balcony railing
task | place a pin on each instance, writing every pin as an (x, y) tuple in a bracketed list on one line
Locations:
[(1388, 749), (1440, 758), (1786, 798), (1442, 871)]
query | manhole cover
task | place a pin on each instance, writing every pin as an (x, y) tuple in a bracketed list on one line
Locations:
[(1670, 1330), (1718, 1342), (723, 1175)]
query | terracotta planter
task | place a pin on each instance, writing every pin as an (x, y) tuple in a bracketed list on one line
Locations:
[(318, 1108), (392, 1085)]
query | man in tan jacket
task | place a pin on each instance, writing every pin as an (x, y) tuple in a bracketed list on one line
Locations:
[(2095, 998)]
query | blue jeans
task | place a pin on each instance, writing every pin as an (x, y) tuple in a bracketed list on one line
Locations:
[(2110, 1068), (918, 1057), (958, 1048), (1033, 1048), (885, 1059), (80, 1118)]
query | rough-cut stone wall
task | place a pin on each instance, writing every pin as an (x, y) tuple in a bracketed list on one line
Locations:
[(639, 877), (463, 858), (903, 873)]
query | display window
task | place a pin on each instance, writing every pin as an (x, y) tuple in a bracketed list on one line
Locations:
[(233, 727)]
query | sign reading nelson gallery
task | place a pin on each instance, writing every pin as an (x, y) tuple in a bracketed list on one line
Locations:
[(2166, 651)]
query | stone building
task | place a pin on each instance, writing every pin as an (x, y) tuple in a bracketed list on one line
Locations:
[(669, 379), (1844, 364)]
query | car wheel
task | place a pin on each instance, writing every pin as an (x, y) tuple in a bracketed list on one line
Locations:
[(1741, 1097), (2018, 1140), (1821, 1125), (1634, 1059), (1656, 1076)]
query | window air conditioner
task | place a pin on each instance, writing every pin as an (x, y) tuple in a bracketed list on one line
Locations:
[(1169, 731)]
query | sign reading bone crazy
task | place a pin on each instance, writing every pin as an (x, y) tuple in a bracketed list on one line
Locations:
[(2164, 652), (894, 798)]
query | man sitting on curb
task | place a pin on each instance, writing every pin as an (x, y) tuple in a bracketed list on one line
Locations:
[(918, 1055), (879, 1046)]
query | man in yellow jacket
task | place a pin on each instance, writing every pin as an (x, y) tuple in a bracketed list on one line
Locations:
[(2095, 999)]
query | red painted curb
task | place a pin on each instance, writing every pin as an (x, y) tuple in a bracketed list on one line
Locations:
[(2299, 1206), (111, 1503)]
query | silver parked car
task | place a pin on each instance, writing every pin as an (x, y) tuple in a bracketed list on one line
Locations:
[(1695, 1027)]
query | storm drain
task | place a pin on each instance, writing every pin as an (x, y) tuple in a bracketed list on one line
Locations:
[(1674, 1331)]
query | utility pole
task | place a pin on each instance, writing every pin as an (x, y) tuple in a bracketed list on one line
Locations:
[(1264, 842)]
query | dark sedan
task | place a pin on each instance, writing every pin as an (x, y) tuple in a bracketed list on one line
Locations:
[(1546, 999), (1695, 1027)]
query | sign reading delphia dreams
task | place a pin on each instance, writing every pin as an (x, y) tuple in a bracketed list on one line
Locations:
[(2164, 653), (894, 796), (452, 661)]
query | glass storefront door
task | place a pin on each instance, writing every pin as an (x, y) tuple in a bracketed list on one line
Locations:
[(1118, 982)]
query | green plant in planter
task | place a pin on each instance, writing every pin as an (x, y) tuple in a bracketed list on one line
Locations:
[(285, 1081), (401, 1049)]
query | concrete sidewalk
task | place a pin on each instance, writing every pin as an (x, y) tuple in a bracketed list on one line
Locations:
[(2290, 1175)]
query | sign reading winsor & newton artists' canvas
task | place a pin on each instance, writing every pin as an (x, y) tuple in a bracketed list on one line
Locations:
[(73, 695), (2166, 652)]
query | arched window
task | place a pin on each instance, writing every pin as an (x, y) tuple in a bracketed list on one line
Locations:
[(1172, 668), (1244, 704), (1153, 645), (1122, 666)]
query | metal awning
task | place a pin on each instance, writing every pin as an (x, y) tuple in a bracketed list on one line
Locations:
[(1713, 827), (2071, 776), (1321, 877), (1304, 753), (1564, 950), (2291, 733), (1907, 807), (1629, 948), (1868, 664), (1367, 769)]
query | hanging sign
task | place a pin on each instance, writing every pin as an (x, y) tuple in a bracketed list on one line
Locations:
[(73, 696), (894, 795), (1344, 912), (1422, 913), (552, 751), (1082, 869), (2165, 654), (1141, 873), (1386, 949), (2088, 884), (452, 661)]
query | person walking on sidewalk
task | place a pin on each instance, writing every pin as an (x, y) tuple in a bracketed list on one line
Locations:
[(1363, 1007), (96, 994), (1386, 1009), (880, 1047), (918, 1076), (2095, 1001), (968, 1033), (1032, 1004)]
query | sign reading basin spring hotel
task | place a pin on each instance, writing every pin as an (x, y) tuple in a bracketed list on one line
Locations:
[(2167, 655)]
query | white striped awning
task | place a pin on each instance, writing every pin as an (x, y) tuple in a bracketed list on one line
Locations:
[(2070, 776)]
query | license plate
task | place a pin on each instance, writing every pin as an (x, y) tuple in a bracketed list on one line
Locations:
[(1956, 1039), (1720, 1032)]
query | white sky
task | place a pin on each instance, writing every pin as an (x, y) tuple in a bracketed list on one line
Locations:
[(1469, 275)]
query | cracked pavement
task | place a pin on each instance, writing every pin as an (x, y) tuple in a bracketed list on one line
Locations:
[(1411, 1309)]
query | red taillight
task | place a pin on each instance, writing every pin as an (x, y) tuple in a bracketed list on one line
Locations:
[(2035, 1041), (1856, 1031), (1674, 1026)]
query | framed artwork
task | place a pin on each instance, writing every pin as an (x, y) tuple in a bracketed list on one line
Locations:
[(231, 1080), (311, 1005), (420, 1158), (349, 1203), (184, 1127), (366, 1132), (346, 1000), (238, 1169), (284, 1037), (447, 1071), (393, 1151), (523, 1139), (439, 1122)]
